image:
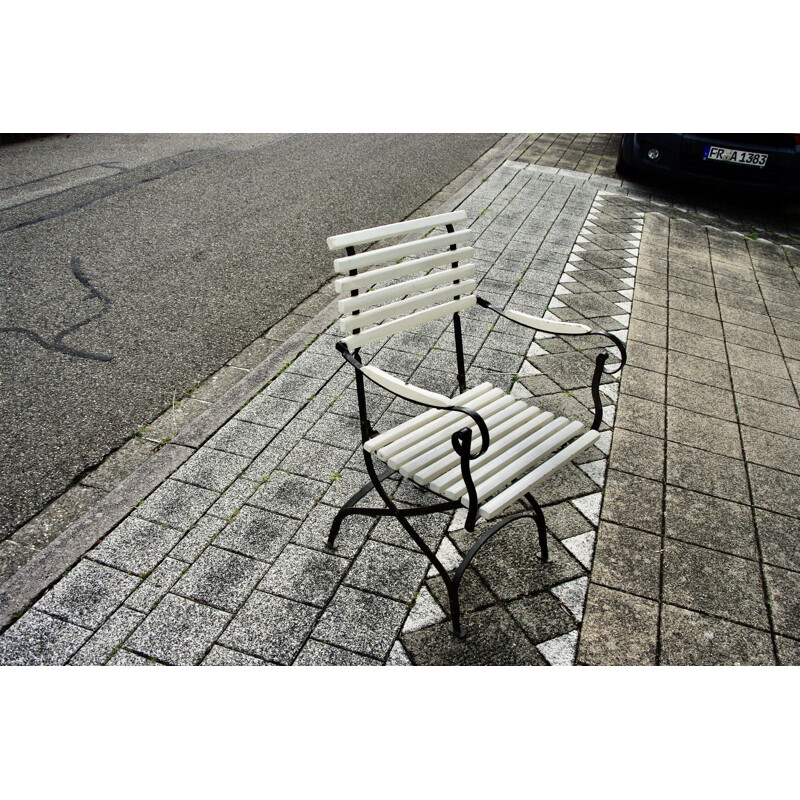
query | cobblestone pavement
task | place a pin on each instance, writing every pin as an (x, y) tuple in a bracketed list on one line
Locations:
[(696, 555)]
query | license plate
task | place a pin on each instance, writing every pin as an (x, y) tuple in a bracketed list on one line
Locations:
[(712, 153)]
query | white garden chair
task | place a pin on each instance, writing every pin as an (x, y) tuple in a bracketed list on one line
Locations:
[(397, 287)]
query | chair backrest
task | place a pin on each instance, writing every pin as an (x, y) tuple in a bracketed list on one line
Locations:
[(393, 288)]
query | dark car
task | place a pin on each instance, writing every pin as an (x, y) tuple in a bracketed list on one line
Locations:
[(768, 162)]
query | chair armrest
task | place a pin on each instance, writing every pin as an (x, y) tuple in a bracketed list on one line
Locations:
[(417, 395), (558, 327), (407, 390), (537, 323)]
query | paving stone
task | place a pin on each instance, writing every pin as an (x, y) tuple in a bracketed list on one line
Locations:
[(628, 560), (509, 562), (233, 498), (315, 528), (136, 546), (362, 622), (692, 579), (705, 472), (287, 494), (126, 658), (771, 449), (701, 398), (472, 594), (430, 528), (619, 629), (783, 587), (640, 416), (345, 431), (757, 360), (704, 432), (225, 657), (564, 521), (425, 611), (644, 384), (315, 460), (780, 539), (108, 638), (693, 323), (258, 534), (156, 585), (541, 616), (39, 639), (647, 333), (387, 570), (775, 490), (88, 594), (270, 627), (639, 454), (492, 639), (266, 409), (698, 370), (242, 438), (589, 506), (747, 337), (569, 481), (768, 416), (647, 356), (710, 521), (178, 631), (633, 501), (212, 469), (197, 539), (398, 656), (320, 654), (573, 595), (176, 504), (689, 638), (308, 576), (788, 651), (767, 387), (582, 547), (220, 578)]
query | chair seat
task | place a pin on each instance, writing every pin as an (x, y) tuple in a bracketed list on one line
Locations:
[(527, 445)]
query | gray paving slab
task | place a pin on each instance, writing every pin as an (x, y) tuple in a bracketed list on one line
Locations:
[(178, 631)]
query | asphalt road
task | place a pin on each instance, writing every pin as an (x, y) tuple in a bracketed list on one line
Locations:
[(134, 267)]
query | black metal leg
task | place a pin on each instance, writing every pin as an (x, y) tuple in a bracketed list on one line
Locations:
[(348, 507), (540, 524)]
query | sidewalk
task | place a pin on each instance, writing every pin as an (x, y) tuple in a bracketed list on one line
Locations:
[(674, 542)]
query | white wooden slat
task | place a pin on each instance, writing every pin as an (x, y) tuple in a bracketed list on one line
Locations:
[(376, 442), (349, 304), (411, 321), (425, 449), (427, 432), (427, 465), (519, 465), (504, 459), (448, 472), (513, 493), (383, 274), (444, 293), (547, 325), (407, 390), (366, 235), (393, 252)]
